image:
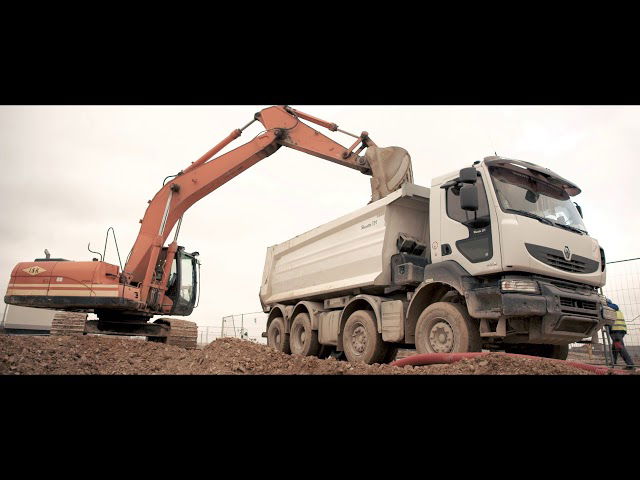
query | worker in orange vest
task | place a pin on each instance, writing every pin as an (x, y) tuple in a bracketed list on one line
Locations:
[(617, 331)]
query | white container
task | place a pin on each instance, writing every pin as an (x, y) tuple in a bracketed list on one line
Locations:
[(351, 252), (27, 319)]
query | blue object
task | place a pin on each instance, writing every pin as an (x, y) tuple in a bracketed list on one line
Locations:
[(612, 305)]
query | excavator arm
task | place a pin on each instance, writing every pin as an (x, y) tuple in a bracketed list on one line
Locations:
[(283, 128)]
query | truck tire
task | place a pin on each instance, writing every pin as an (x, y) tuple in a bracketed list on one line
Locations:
[(303, 340), (445, 327), (361, 341), (276, 337), (559, 352)]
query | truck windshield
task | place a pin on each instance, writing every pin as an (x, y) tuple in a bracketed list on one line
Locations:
[(522, 194)]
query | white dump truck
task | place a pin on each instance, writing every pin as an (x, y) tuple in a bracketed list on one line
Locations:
[(495, 256)]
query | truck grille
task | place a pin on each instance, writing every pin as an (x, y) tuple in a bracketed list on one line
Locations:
[(576, 305), (573, 266), (555, 258)]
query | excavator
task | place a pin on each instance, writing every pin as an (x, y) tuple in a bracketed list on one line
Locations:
[(164, 280)]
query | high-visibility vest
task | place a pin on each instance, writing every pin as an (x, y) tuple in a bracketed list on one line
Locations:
[(619, 324)]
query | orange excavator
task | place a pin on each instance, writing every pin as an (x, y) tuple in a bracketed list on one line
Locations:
[(163, 280)]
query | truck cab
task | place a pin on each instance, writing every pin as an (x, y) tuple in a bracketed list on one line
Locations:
[(531, 270)]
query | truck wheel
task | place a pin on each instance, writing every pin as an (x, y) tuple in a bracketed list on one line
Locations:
[(276, 337), (361, 341), (447, 328), (559, 352), (303, 340)]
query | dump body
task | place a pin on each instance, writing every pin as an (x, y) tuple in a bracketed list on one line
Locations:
[(347, 255)]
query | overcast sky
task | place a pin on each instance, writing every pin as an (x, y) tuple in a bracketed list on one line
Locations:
[(68, 173)]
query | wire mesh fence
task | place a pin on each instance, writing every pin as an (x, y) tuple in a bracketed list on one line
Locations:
[(248, 326), (623, 288)]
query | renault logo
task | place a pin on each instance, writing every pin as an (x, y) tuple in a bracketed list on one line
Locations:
[(567, 253)]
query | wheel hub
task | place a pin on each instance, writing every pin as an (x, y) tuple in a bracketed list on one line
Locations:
[(298, 336), (359, 339), (441, 337)]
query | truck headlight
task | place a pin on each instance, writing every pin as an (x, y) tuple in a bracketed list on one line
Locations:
[(520, 285), (608, 313)]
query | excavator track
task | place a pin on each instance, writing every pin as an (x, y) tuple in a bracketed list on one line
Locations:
[(182, 333), (68, 323)]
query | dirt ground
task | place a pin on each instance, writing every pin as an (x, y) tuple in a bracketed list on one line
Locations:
[(28, 355)]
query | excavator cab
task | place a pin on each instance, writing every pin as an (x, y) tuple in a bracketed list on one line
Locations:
[(183, 282)]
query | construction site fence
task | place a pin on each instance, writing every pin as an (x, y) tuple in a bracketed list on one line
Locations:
[(248, 326), (623, 288)]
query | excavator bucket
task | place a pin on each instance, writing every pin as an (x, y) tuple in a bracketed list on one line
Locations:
[(390, 168)]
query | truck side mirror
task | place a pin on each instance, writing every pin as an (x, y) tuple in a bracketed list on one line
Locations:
[(469, 197), (468, 175), (579, 208)]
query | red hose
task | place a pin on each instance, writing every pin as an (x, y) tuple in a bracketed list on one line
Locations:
[(434, 358)]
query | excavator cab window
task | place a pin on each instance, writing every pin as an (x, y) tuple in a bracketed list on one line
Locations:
[(183, 283), (173, 275)]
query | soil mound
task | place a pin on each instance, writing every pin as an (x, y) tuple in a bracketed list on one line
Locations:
[(101, 355)]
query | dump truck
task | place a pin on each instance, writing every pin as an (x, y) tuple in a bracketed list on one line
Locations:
[(494, 256)]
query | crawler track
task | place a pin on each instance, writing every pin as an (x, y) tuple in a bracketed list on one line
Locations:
[(68, 323), (182, 333)]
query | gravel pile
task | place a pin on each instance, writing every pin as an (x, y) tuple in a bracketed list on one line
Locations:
[(228, 356)]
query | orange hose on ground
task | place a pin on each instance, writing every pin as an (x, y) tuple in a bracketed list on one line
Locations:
[(447, 358)]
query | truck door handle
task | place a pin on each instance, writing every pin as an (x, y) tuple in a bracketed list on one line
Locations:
[(446, 249)]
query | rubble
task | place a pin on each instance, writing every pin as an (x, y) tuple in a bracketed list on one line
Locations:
[(102, 355)]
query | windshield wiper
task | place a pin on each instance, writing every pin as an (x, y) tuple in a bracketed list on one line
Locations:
[(569, 227), (530, 215), (545, 220)]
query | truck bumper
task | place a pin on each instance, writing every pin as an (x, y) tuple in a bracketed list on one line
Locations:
[(558, 314)]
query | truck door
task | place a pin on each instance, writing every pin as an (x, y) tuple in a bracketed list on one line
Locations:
[(469, 238)]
